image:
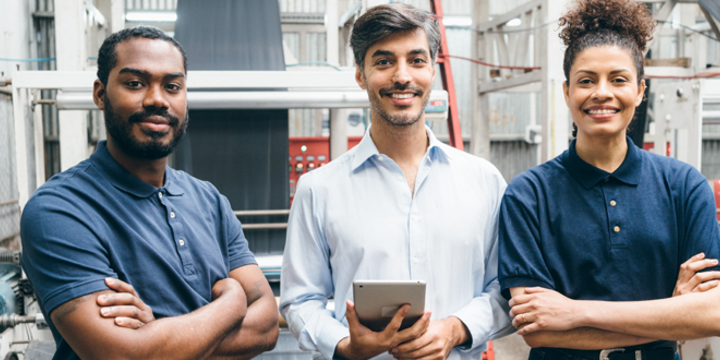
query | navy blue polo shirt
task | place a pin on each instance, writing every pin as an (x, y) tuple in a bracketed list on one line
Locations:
[(592, 235), (97, 220)]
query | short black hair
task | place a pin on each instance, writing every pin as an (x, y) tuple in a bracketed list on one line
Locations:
[(107, 56), (382, 21)]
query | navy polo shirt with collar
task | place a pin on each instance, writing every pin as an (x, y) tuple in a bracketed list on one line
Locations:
[(592, 235), (97, 220)]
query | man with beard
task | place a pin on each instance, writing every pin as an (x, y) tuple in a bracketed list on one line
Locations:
[(401, 205), (123, 217)]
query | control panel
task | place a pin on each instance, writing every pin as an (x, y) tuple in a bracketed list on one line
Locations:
[(310, 153)]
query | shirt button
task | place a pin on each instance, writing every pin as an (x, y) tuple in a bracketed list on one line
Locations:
[(400, 178), (172, 215), (182, 242), (606, 180), (160, 195), (412, 217), (616, 229), (613, 203), (380, 158), (415, 260)]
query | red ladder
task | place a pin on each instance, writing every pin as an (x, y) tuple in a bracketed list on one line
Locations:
[(443, 60)]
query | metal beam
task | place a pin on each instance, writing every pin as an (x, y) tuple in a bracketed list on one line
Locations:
[(714, 22), (505, 85)]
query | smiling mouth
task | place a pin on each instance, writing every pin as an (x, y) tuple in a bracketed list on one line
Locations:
[(401, 96), (602, 111)]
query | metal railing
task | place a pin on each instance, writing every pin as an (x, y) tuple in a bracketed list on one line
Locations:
[(279, 212)]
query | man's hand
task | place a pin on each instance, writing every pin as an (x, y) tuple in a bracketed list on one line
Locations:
[(364, 343), (690, 280), (436, 343), (125, 306), (543, 309)]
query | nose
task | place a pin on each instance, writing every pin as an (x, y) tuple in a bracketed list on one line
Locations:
[(602, 91), (154, 98), (401, 75)]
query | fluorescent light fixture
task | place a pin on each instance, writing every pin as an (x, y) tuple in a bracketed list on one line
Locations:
[(457, 21), (514, 22), (151, 16)]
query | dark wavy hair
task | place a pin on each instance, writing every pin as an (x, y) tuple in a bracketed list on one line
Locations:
[(382, 21), (107, 56), (626, 24)]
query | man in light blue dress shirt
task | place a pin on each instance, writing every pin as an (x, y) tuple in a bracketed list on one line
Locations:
[(401, 205)]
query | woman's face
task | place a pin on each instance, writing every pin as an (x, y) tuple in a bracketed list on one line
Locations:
[(602, 91)]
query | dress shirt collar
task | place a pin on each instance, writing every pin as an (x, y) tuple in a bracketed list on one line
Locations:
[(629, 171), (366, 149), (122, 179)]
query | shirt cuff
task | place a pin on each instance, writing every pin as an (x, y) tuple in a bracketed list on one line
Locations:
[(465, 314), (329, 336), (521, 281)]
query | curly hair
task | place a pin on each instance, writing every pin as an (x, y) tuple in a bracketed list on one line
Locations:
[(381, 21), (623, 23), (107, 56)]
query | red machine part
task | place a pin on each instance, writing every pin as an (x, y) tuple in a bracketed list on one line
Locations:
[(651, 146), (309, 153)]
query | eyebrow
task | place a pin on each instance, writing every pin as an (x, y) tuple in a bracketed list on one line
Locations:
[(147, 74), (594, 73), (390, 53)]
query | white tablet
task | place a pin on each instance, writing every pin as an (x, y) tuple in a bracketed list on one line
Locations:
[(377, 301)]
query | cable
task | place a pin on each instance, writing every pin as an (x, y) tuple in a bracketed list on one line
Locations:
[(494, 66), (688, 28)]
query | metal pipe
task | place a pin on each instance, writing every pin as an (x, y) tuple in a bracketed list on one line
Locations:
[(9, 202), (264, 226), (44, 102), (242, 100), (260, 212)]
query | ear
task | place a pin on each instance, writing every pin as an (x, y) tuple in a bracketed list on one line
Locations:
[(359, 78), (641, 93), (566, 92), (99, 94)]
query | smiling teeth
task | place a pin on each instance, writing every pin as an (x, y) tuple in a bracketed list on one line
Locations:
[(601, 112), (402, 96)]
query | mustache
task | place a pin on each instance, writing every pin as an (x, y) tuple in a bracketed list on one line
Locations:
[(402, 87), (142, 115)]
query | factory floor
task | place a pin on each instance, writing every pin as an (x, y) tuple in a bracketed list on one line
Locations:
[(511, 347)]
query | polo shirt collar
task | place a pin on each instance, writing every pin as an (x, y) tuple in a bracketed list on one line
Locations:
[(588, 176), (123, 180), (366, 149)]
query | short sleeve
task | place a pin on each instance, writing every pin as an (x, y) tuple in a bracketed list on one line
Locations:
[(702, 233), (239, 253), (521, 262), (63, 251)]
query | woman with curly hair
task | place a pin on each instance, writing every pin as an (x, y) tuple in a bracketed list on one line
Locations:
[(607, 228)]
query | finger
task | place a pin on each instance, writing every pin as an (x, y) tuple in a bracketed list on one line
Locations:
[(520, 299), (415, 331), (702, 264), (407, 348), (528, 329), (707, 276), (119, 299), (120, 311), (350, 315), (706, 286), (120, 286), (396, 321), (128, 322)]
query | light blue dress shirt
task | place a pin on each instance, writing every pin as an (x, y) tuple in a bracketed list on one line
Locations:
[(356, 219)]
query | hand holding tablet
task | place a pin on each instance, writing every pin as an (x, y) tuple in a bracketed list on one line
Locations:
[(377, 301)]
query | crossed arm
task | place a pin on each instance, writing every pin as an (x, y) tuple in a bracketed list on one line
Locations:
[(545, 318), (238, 323)]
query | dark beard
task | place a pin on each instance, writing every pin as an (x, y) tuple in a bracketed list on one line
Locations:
[(122, 133), (406, 120)]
